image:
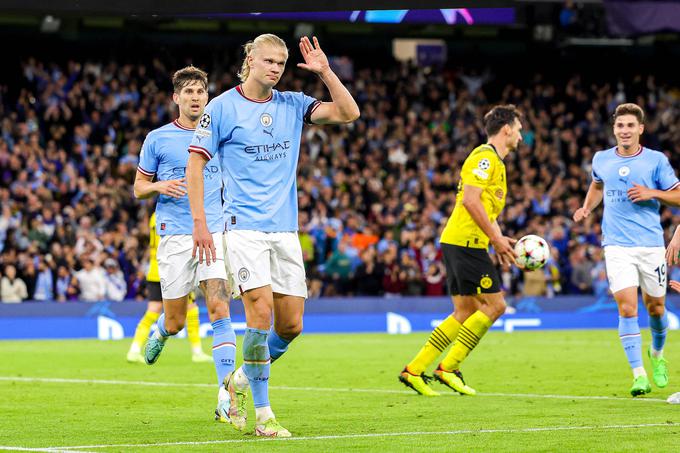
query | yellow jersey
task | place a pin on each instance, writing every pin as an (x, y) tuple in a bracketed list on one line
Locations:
[(154, 240), (483, 168)]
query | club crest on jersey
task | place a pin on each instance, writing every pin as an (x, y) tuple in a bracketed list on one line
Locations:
[(204, 122), (486, 282), (266, 120), (243, 274), (484, 164), (624, 171)]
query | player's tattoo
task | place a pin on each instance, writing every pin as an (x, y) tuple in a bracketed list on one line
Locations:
[(215, 289)]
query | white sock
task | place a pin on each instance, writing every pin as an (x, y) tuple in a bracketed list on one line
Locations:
[(262, 414), (135, 349), (639, 371), (240, 379), (157, 335), (197, 350), (222, 394), (656, 354)]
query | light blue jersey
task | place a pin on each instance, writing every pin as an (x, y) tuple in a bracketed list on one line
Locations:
[(625, 223), (258, 144), (164, 154)]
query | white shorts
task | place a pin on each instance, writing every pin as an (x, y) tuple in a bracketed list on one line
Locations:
[(259, 259), (636, 266), (180, 272)]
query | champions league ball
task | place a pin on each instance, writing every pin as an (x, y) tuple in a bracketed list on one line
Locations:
[(532, 252)]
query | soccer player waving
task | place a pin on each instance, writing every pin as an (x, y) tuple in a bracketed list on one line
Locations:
[(632, 180), (255, 131), (472, 278)]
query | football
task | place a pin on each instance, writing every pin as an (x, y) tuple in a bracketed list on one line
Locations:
[(532, 252)]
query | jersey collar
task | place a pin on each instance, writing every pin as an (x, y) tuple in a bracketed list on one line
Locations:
[(616, 150), (259, 101), (493, 148), (177, 124)]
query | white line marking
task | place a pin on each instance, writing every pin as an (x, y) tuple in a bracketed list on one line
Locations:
[(319, 389), (50, 450), (372, 435)]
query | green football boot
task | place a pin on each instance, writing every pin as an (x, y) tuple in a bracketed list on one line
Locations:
[(454, 380), (660, 370), (640, 386), (152, 350), (419, 383), (271, 428)]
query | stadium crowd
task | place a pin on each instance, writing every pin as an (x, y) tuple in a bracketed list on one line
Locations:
[(373, 195)]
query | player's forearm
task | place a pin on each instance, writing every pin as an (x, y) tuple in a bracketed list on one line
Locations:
[(195, 187), (478, 214), (346, 106), (669, 197), (497, 228), (144, 189), (593, 197)]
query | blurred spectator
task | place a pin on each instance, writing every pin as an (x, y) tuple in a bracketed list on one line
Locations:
[(338, 272), (394, 280), (534, 283), (91, 281), (413, 275), (581, 270), (115, 288), (67, 285), (435, 280), (369, 274), (13, 289), (44, 287)]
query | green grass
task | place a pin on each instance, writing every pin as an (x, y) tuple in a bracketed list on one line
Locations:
[(509, 371)]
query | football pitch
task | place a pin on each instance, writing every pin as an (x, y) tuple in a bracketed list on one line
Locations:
[(538, 391)]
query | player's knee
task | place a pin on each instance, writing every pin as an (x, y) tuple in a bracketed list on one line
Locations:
[(656, 309), (289, 331), (218, 311), (628, 310), (498, 309)]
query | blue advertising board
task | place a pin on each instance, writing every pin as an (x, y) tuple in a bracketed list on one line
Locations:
[(106, 321)]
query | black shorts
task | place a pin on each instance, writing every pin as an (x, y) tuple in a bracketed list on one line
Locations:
[(153, 291), (469, 271)]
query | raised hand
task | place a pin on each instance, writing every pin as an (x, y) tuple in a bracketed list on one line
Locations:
[(315, 59)]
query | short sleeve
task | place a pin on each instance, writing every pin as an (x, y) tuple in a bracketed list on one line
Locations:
[(206, 137), (665, 175), (596, 177), (478, 169), (309, 104), (148, 163)]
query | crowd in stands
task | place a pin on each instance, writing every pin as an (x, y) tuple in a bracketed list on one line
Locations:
[(373, 196)]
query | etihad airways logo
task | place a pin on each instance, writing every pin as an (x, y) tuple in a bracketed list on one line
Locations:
[(269, 152)]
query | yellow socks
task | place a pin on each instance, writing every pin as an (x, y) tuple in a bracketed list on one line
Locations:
[(439, 340), (193, 329), (143, 329), (472, 330)]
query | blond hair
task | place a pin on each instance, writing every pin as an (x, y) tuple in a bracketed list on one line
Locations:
[(251, 46)]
